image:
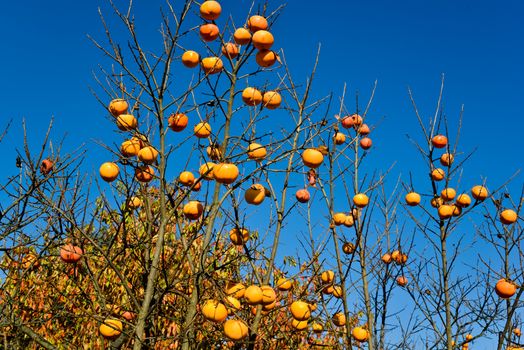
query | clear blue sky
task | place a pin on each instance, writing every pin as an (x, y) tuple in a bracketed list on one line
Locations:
[(46, 65)]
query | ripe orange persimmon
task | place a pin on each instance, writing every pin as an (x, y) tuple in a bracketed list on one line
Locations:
[(148, 154), (256, 23), (366, 143), (360, 200), (212, 65), (253, 295), (299, 325), (251, 96), (402, 281), (439, 141), (206, 170), (445, 211), (463, 200), (339, 138), (364, 130), (209, 32), (130, 148), (230, 50), (508, 216), (225, 173), (300, 310), (255, 194), (111, 328), (349, 221), (262, 40), (242, 36), (202, 130), (457, 210), (271, 99), (177, 122), (193, 210), (284, 283), (339, 218), (235, 289), (436, 202), (395, 255), (266, 58), (386, 258), (505, 289), (357, 120), (190, 59), (317, 327), (46, 166), (144, 173), (302, 195), (232, 303), (71, 253), (348, 247), (479, 192), (339, 319), (239, 236), (446, 159), (214, 311), (312, 158), (134, 202), (337, 291), (448, 194), (109, 171), (118, 106), (256, 151), (235, 329), (412, 199), (347, 122), (438, 174), (126, 122), (186, 178), (327, 276), (210, 10), (360, 334), (328, 289), (268, 295)]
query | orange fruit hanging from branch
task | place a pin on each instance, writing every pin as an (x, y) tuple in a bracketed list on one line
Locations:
[(190, 59), (505, 289), (272, 99), (209, 32), (144, 173), (109, 171), (256, 23), (262, 40), (230, 50), (177, 121), (312, 158), (225, 173), (118, 106), (251, 96), (242, 36), (439, 141), (210, 10), (235, 329), (71, 254)]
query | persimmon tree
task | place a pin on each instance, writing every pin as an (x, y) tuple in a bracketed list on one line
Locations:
[(219, 159)]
